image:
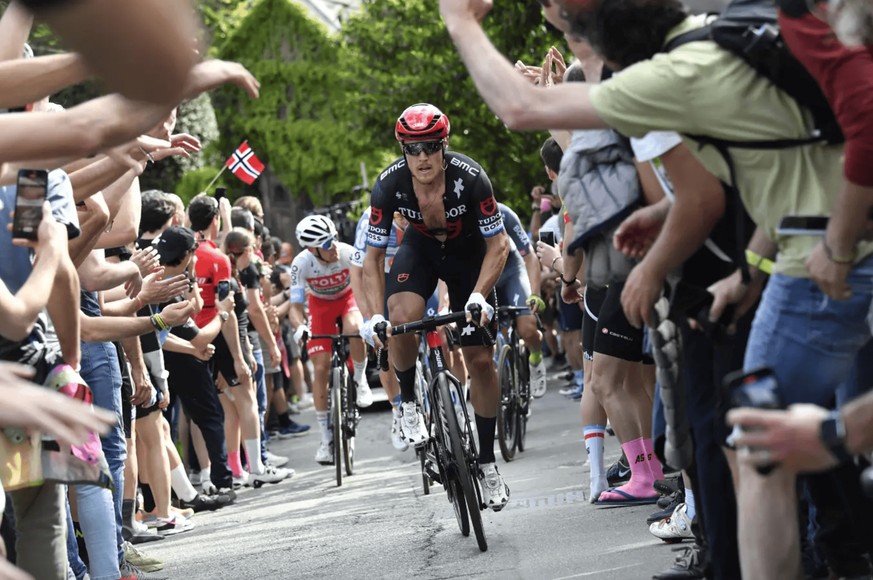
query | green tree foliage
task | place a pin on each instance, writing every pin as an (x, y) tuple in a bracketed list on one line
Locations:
[(300, 126), (399, 53)]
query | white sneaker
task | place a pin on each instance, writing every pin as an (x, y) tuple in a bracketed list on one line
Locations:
[(305, 402), (538, 380), (364, 394), (140, 528), (172, 525), (396, 437), (675, 528), (242, 480), (208, 488), (276, 460), (412, 428), (495, 492), (324, 455), (271, 474)]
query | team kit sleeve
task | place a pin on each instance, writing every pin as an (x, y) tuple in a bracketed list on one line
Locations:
[(361, 231), (381, 217), (515, 230), (487, 214), (297, 294), (349, 256)]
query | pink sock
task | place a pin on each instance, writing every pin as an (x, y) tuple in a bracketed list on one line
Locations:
[(640, 484), (234, 463), (653, 462)]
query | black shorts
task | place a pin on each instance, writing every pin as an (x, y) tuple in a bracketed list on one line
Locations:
[(614, 335), (571, 316), (222, 362), (590, 312), (420, 263), (143, 411), (126, 393)]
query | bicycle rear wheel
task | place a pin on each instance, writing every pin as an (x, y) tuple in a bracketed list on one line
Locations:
[(507, 410), (524, 398), (336, 419), (461, 451), (348, 427)]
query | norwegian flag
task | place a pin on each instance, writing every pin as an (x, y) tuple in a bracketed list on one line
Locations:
[(244, 164)]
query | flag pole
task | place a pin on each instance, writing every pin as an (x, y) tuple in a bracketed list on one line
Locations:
[(214, 179)]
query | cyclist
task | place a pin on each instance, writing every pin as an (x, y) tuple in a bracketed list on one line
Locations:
[(323, 268), (520, 281), (456, 234)]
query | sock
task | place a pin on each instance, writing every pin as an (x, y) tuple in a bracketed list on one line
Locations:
[(535, 358), (652, 460), (128, 511), (206, 474), (284, 419), (690, 507), (359, 367), (580, 378), (594, 440), (326, 435), (640, 484), (486, 426), (181, 484), (148, 500), (396, 402), (407, 384), (234, 462), (253, 452)]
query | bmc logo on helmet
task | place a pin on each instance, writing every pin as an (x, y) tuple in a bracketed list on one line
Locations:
[(402, 278), (375, 215), (488, 206)]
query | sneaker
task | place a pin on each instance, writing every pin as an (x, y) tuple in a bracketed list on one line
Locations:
[(293, 408), (412, 428), (495, 492), (294, 429), (667, 508), (364, 394), (305, 402), (396, 438), (324, 455), (271, 475), (277, 460), (143, 537), (200, 503), (142, 561), (208, 488), (667, 486), (568, 390), (538, 380), (225, 496), (690, 564), (184, 512), (131, 572), (172, 525), (618, 473), (241, 481), (675, 528)]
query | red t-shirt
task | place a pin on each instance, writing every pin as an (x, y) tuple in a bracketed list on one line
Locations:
[(212, 267)]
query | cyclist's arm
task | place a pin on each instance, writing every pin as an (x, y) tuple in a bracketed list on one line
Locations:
[(297, 316), (532, 264), (496, 251), (374, 280), (357, 276)]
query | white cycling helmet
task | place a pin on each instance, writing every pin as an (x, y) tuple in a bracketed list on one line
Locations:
[(316, 231)]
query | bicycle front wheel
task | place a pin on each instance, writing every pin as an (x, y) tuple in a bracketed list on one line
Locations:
[(336, 419), (507, 410), (461, 451), (349, 414)]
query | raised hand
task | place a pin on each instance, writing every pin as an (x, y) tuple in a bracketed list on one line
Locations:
[(147, 260)]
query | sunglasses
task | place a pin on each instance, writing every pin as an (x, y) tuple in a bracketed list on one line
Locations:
[(238, 253), (328, 244), (429, 147)]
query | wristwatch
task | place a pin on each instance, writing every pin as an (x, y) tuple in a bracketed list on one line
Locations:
[(833, 434), (223, 315)]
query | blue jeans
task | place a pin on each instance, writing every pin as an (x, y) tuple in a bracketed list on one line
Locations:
[(261, 385), (97, 522), (101, 371), (808, 339)]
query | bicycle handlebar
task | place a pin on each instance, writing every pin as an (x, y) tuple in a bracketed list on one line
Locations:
[(332, 336), (429, 323)]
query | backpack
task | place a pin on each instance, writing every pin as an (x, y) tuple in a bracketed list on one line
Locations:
[(749, 29)]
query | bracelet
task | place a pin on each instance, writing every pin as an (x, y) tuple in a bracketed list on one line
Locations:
[(570, 283), (163, 325), (147, 154), (553, 262), (843, 260), (759, 262), (154, 322)]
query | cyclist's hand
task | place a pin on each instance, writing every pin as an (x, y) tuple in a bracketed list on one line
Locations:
[(369, 334), (301, 332), (536, 304), (477, 302)]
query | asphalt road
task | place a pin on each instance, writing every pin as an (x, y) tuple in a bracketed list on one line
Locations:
[(380, 525)]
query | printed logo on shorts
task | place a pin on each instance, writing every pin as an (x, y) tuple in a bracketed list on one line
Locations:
[(402, 278)]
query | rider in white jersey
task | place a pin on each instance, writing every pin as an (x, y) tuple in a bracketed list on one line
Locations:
[(323, 268)]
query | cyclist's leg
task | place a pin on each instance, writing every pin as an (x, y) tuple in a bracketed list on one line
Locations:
[(322, 315), (352, 322), (513, 289)]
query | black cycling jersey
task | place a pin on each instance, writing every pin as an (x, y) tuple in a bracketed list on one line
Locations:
[(469, 203)]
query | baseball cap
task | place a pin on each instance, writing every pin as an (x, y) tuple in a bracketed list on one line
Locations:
[(201, 211), (174, 243)]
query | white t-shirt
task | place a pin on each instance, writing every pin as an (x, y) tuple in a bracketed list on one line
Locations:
[(327, 281)]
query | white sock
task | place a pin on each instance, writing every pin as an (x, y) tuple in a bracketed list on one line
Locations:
[(360, 367), (205, 474), (594, 440), (326, 435), (181, 484), (253, 452), (690, 507)]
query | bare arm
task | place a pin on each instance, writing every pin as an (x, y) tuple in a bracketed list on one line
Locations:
[(207, 334), (534, 271), (63, 308), (374, 280), (496, 251), (125, 208), (95, 176), (27, 81), (652, 190), (139, 374), (297, 315), (258, 318), (180, 345), (109, 328), (14, 30), (92, 222), (858, 416), (357, 275), (97, 274)]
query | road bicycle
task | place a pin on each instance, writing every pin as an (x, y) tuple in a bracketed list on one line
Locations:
[(513, 378)]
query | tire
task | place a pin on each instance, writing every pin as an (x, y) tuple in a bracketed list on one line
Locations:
[(462, 462), (336, 418), (348, 438), (507, 410), (425, 478), (524, 398)]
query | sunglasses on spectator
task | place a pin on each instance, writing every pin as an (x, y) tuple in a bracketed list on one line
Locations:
[(429, 147), (238, 253)]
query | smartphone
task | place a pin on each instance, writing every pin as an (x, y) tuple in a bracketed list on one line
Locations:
[(802, 225), (548, 238), (223, 290), (757, 389), (220, 192), (29, 198)]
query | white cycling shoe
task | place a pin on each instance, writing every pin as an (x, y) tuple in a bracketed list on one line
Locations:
[(412, 428), (364, 394), (324, 455), (538, 379), (495, 492), (271, 474), (396, 436)]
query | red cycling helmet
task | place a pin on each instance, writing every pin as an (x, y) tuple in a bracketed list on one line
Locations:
[(422, 122)]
